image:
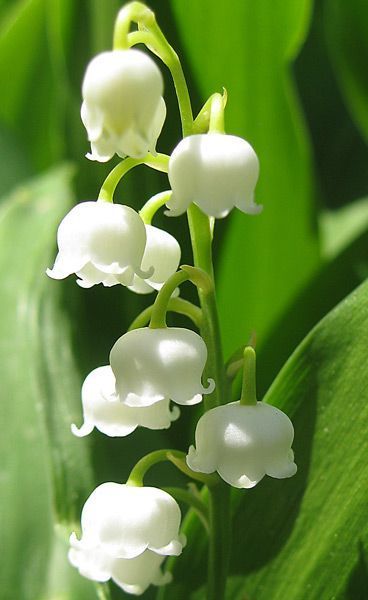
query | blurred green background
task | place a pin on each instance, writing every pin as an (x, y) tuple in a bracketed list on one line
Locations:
[(296, 75)]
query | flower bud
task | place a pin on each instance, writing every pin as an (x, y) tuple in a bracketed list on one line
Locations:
[(151, 365), (123, 109), (103, 409), (243, 443), (216, 172), (163, 253), (102, 243)]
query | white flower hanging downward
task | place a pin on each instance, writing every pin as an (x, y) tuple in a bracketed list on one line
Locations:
[(244, 441), (103, 409), (102, 243), (151, 365), (216, 172), (126, 533), (243, 444), (123, 109)]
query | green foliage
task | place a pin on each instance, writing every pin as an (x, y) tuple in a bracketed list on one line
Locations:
[(46, 473), (277, 274)]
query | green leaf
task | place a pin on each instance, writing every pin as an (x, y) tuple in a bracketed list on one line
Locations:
[(45, 470), (248, 47), (347, 34)]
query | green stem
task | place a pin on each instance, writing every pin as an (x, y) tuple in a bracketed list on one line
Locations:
[(107, 190), (152, 205), (131, 13), (219, 541), (177, 458), (200, 229), (248, 395), (177, 305), (159, 309), (186, 273)]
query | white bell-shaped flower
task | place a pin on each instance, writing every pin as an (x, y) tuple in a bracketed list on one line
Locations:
[(243, 444), (133, 575), (163, 254), (103, 409), (216, 172), (123, 109), (102, 243), (122, 521), (151, 365)]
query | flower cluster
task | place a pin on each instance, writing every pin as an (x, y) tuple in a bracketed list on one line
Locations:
[(127, 530)]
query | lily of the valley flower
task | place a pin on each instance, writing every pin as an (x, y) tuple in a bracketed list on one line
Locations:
[(216, 172), (103, 409), (151, 365), (123, 109), (243, 444), (126, 533), (124, 521), (163, 253), (102, 243)]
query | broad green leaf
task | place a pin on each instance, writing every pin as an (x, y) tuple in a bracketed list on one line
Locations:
[(347, 34), (306, 537), (45, 471), (248, 48)]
